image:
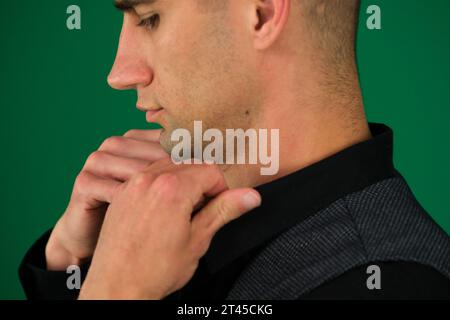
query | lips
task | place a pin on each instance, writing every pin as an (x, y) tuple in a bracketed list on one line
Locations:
[(153, 115), (152, 111)]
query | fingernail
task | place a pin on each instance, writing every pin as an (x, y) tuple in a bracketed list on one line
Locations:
[(251, 200)]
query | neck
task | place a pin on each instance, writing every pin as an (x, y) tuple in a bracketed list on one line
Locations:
[(310, 130)]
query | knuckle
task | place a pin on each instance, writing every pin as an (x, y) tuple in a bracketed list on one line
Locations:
[(142, 180), (224, 210), (95, 157), (112, 143), (130, 133), (167, 182), (82, 182), (166, 188)]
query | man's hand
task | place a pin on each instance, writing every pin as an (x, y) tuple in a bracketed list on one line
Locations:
[(150, 244), (74, 237)]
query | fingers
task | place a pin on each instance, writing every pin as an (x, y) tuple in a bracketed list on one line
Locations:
[(221, 210), (194, 182), (118, 160), (144, 135), (205, 180), (121, 158), (107, 165), (131, 148), (89, 186)]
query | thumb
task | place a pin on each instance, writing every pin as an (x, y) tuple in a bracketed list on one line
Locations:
[(227, 206)]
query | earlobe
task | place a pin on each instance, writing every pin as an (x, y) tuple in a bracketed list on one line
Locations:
[(271, 17)]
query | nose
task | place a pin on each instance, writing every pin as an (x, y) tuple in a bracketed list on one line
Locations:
[(128, 73), (131, 68)]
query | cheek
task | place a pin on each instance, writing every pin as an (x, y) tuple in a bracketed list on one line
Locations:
[(184, 83), (199, 77), (175, 60)]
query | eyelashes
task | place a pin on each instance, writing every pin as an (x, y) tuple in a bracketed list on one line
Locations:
[(150, 23)]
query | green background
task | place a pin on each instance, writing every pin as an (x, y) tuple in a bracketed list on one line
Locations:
[(56, 107)]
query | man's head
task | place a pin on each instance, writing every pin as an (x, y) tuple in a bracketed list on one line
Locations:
[(221, 61)]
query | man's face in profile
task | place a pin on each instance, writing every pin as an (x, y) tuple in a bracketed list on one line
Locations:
[(190, 59)]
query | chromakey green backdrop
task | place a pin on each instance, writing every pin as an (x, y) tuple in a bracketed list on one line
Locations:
[(56, 107)]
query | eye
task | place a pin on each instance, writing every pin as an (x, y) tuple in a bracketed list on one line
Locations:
[(150, 22)]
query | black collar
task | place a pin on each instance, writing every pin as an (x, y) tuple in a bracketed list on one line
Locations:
[(293, 198)]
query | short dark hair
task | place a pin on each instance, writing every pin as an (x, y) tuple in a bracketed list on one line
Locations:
[(333, 26)]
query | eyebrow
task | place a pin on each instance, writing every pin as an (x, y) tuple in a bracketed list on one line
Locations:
[(125, 5)]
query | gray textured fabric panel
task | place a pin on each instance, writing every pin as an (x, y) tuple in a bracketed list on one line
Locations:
[(383, 222), (393, 226)]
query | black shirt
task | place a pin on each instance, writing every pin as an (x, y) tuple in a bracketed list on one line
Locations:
[(285, 203)]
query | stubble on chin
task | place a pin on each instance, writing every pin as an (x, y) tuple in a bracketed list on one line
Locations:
[(165, 141)]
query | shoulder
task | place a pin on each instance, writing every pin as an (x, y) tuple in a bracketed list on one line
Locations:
[(392, 226), (381, 223)]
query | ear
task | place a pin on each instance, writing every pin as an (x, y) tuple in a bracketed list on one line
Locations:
[(270, 18)]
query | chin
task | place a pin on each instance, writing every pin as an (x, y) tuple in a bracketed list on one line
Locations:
[(166, 142)]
